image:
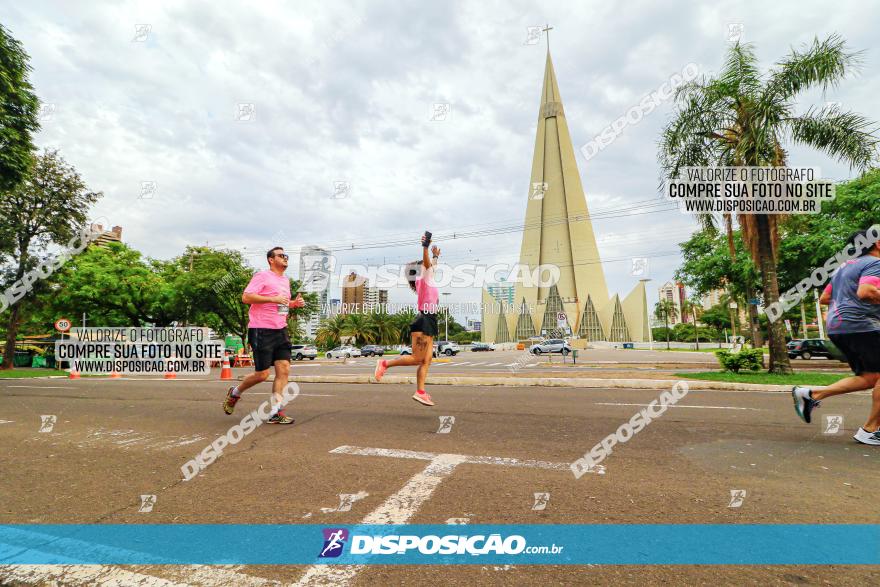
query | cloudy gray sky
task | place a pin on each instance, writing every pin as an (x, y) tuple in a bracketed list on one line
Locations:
[(345, 93)]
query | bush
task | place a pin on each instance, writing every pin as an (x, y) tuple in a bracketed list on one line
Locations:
[(752, 359)]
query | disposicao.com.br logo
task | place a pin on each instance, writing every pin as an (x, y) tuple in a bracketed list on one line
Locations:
[(403, 544)]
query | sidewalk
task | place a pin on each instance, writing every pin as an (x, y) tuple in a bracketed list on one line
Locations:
[(531, 380)]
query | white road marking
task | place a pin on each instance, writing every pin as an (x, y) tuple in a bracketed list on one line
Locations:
[(463, 363), (681, 406), (403, 505), (7, 421)]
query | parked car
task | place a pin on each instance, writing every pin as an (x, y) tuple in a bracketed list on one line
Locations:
[(407, 350), (446, 347), (343, 352), (372, 350), (482, 346), (807, 349), (553, 345), (298, 352)]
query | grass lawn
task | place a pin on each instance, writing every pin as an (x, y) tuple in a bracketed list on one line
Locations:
[(24, 373), (802, 378)]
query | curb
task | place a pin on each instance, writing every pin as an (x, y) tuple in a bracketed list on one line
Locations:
[(658, 384)]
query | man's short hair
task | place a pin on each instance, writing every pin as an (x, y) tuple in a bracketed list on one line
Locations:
[(271, 252), (866, 234)]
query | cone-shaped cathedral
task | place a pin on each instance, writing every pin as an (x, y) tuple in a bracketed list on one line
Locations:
[(558, 232)]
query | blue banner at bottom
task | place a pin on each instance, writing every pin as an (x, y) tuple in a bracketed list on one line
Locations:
[(602, 544)]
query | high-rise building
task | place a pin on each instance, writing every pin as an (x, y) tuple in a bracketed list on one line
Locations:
[(375, 299), (315, 269), (713, 298), (558, 232), (353, 289), (114, 235), (674, 292)]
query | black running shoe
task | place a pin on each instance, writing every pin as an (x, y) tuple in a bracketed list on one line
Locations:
[(804, 404)]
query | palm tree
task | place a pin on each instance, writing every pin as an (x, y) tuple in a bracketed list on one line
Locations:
[(664, 309), (383, 327), (741, 118), (401, 321), (690, 307), (359, 326), (331, 331)]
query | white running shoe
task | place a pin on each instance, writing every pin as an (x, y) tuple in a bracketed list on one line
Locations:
[(865, 437)]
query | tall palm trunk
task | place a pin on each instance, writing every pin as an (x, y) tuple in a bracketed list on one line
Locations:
[(779, 362)]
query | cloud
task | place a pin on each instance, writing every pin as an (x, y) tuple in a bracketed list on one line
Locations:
[(344, 93)]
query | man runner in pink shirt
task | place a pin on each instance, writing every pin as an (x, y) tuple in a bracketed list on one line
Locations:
[(268, 295)]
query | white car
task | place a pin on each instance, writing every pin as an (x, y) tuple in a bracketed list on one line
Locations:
[(343, 352)]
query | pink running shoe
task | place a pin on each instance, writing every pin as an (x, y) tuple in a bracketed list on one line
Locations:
[(423, 398), (381, 367)]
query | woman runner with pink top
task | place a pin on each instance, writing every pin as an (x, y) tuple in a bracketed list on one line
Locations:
[(420, 275)]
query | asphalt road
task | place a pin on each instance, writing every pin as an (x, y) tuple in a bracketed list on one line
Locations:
[(115, 440)]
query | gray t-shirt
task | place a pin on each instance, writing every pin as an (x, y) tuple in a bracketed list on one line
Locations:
[(847, 313)]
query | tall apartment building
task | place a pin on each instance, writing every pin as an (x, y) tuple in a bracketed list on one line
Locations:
[(675, 293), (107, 236), (315, 270), (358, 296)]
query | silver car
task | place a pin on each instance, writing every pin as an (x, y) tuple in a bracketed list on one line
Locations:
[(553, 345), (343, 352)]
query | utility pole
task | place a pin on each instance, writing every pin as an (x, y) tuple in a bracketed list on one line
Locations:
[(819, 320), (804, 332)]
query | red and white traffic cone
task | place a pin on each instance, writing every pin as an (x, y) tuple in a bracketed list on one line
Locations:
[(226, 371)]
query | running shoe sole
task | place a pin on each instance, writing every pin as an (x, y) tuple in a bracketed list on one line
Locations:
[(872, 438), (423, 401), (227, 406), (379, 372)]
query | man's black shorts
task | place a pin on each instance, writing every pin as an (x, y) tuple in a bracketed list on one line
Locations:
[(862, 350), (425, 323), (269, 345)]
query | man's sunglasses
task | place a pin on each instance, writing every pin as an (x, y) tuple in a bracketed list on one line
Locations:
[(282, 255)]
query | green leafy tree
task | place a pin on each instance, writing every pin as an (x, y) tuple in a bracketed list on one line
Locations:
[(49, 207), (742, 118), (209, 283), (115, 286), (19, 111)]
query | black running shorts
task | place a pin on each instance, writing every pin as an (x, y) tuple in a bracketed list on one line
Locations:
[(425, 323), (269, 345), (862, 350)]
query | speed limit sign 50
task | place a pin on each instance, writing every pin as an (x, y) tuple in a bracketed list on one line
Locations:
[(62, 325)]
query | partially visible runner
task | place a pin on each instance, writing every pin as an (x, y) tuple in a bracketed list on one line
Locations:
[(268, 295), (420, 275), (853, 325)]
